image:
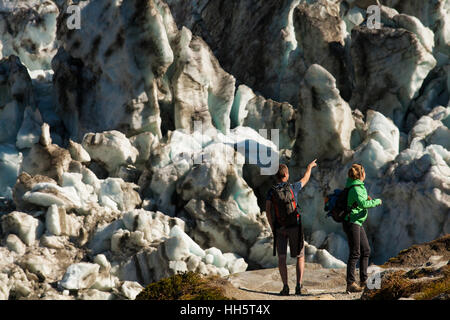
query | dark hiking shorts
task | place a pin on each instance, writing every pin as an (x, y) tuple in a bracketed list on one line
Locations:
[(293, 235)]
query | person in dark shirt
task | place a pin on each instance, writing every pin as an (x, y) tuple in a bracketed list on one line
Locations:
[(293, 235)]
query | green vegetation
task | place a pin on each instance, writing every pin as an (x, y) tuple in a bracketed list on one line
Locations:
[(437, 287), (421, 283), (185, 286)]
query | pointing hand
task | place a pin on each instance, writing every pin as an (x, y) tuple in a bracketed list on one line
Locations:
[(312, 164)]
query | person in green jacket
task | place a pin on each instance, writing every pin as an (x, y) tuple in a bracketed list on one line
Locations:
[(359, 202)]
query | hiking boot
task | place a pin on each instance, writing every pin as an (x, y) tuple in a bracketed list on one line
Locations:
[(298, 290), (363, 284), (353, 287), (285, 291)]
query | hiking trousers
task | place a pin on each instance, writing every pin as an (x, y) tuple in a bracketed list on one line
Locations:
[(359, 251)]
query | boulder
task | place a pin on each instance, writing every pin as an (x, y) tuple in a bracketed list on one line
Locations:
[(14, 243), (130, 289), (25, 183)]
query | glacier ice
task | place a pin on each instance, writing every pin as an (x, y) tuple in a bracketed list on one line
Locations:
[(24, 225), (10, 160), (330, 130), (58, 222), (30, 131), (381, 145), (14, 243), (78, 153), (201, 86), (254, 111), (16, 94), (111, 148), (33, 40), (407, 75), (152, 154), (80, 276)]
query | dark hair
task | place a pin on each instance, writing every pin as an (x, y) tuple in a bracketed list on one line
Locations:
[(283, 171), (356, 171)]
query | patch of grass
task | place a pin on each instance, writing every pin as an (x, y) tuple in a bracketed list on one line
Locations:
[(436, 287), (184, 286)]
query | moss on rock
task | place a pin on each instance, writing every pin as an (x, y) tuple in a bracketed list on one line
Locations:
[(420, 283)]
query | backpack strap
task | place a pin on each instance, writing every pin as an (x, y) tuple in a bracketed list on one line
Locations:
[(293, 198), (354, 205), (275, 207), (275, 225)]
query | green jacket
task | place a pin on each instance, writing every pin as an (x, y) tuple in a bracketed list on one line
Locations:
[(358, 194)]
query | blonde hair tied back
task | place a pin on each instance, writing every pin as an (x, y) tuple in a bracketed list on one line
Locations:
[(356, 171)]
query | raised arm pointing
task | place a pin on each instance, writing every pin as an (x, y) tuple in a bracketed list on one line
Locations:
[(307, 175)]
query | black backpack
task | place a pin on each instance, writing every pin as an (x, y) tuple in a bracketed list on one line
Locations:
[(283, 201), (336, 204)]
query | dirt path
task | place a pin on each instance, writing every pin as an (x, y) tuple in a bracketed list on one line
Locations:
[(265, 284)]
